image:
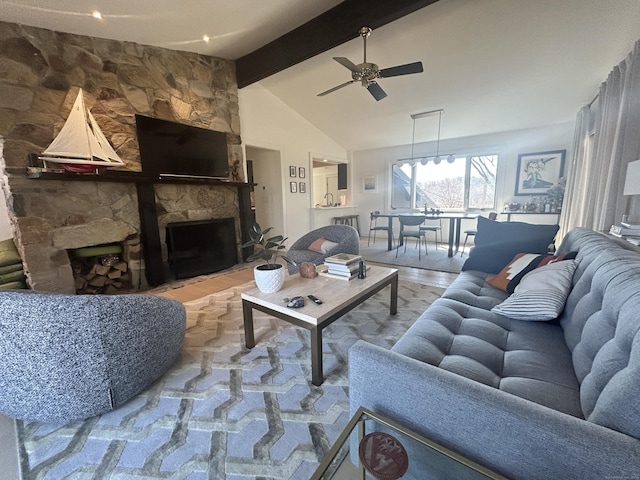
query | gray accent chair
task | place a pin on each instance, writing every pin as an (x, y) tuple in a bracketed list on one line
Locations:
[(345, 236), (71, 357), (530, 400)]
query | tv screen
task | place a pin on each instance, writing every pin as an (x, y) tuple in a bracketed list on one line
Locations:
[(169, 148)]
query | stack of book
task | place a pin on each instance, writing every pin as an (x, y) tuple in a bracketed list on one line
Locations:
[(342, 265), (628, 231)]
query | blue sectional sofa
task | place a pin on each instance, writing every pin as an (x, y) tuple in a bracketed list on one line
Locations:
[(71, 357), (529, 400)]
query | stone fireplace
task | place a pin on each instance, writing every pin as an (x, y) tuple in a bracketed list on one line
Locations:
[(73, 214), (53, 214), (201, 247)]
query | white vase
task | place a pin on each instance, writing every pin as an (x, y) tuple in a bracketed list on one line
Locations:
[(269, 280)]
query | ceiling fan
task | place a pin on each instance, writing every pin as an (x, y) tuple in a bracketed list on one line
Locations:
[(367, 73)]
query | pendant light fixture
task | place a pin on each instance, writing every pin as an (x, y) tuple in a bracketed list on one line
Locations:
[(425, 159)]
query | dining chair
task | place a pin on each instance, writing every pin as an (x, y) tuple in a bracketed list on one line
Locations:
[(374, 227), (471, 232), (411, 221), (433, 228)]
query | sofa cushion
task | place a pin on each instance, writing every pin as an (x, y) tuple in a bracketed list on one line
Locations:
[(496, 243), (523, 263), (541, 294), (459, 333), (322, 245)]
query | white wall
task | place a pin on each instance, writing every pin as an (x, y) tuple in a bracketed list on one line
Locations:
[(508, 145), (266, 122), (6, 231)]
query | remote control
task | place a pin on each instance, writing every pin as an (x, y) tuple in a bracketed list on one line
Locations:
[(314, 299)]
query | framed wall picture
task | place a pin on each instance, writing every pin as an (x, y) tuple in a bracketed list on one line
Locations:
[(302, 173), (292, 171), (539, 171), (293, 186), (303, 187), (370, 183)]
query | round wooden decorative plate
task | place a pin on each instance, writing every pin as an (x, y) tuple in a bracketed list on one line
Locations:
[(383, 456)]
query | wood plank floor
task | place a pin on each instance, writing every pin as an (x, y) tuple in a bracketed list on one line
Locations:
[(198, 287)]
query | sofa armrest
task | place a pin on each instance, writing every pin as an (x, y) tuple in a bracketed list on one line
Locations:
[(512, 436)]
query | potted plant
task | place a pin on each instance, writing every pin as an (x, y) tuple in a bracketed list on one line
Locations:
[(270, 276)]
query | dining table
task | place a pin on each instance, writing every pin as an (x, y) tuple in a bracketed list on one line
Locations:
[(455, 224)]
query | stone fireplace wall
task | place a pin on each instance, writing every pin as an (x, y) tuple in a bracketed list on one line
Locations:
[(40, 74)]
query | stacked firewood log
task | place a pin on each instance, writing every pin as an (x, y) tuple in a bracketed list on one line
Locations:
[(107, 275)]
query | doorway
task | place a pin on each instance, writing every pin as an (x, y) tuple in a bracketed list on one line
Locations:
[(267, 194), (329, 181)]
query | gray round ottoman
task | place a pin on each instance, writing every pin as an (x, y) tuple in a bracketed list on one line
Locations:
[(71, 357)]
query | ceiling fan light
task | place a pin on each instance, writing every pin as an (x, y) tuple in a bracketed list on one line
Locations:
[(424, 160), (437, 160), (451, 158)]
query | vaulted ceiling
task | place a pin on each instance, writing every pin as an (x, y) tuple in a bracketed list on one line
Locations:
[(492, 65)]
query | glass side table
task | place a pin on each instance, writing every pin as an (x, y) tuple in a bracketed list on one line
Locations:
[(390, 451)]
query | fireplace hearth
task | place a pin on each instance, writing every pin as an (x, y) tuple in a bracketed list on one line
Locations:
[(201, 247)]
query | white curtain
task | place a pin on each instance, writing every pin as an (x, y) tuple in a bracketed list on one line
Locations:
[(607, 138)]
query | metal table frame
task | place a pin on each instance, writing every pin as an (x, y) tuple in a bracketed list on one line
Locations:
[(455, 224), (317, 376)]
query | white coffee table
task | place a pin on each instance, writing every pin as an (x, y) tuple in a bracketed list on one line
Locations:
[(338, 296)]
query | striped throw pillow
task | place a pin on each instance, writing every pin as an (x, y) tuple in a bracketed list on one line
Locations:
[(523, 263), (541, 294)]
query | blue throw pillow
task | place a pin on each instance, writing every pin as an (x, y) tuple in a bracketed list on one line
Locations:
[(496, 243)]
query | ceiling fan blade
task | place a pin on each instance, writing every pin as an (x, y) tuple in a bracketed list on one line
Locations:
[(377, 91), (345, 62), (406, 69), (336, 88)]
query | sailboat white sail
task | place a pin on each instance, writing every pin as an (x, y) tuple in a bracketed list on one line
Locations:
[(81, 146)]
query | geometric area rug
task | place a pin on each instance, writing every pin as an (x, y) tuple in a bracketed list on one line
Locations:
[(223, 411)]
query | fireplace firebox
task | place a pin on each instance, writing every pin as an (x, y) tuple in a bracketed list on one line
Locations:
[(201, 247)]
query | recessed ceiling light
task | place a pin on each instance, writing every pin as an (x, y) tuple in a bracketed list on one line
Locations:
[(96, 14), (205, 38)]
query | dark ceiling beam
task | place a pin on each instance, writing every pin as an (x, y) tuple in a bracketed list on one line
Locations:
[(330, 29)]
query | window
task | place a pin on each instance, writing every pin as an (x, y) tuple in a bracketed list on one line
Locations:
[(466, 182)]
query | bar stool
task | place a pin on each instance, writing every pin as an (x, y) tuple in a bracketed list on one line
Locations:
[(351, 220)]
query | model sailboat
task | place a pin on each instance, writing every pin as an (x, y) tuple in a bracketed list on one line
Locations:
[(81, 146)]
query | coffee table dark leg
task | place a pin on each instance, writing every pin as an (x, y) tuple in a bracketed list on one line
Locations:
[(393, 309), (247, 314), (317, 375)]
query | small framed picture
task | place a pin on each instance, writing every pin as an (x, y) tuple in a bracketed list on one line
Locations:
[(370, 183), (302, 172), (292, 171), (538, 172), (303, 187), (293, 186)]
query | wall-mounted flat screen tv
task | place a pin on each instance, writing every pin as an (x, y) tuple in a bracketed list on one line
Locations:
[(175, 149)]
